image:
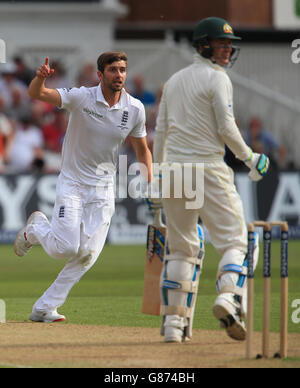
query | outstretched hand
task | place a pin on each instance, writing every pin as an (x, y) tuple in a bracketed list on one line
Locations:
[(44, 71)]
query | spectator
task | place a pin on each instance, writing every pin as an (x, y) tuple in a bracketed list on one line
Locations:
[(26, 152), (9, 83), (19, 105), (265, 142), (6, 135), (23, 73), (140, 92), (40, 112), (58, 79), (54, 131), (88, 76)]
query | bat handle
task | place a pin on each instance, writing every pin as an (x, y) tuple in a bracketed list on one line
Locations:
[(157, 219)]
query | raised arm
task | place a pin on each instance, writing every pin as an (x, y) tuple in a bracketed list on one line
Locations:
[(37, 89)]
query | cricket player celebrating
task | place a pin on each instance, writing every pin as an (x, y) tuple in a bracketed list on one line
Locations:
[(195, 121), (100, 120)]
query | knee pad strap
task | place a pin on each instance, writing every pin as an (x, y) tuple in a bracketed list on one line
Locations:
[(181, 286), (238, 288), (230, 264)]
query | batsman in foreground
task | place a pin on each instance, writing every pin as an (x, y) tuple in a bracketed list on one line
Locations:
[(195, 121), (100, 120)]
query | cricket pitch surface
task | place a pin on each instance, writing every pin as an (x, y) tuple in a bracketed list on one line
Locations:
[(61, 345)]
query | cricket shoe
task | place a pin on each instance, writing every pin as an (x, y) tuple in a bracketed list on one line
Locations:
[(22, 246), (228, 311), (174, 329), (46, 316)]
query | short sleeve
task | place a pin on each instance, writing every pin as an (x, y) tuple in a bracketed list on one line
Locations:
[(139, 129), (71, 97)]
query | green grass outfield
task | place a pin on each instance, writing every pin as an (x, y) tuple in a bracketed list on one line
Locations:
[(111, 292)]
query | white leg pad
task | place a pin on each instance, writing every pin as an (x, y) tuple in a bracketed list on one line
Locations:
[(174, 328), (230, 268), (179, 287), (232, 273)]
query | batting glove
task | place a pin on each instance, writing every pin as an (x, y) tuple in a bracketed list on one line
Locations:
[(153, 204), (153, 197), (258, 164)]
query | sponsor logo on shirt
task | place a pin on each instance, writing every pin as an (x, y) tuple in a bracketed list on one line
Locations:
[(91, 113)]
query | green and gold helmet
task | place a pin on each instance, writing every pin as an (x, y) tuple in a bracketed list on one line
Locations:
[(212, 28)]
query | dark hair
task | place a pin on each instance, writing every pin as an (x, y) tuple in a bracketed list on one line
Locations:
[(110, 57)]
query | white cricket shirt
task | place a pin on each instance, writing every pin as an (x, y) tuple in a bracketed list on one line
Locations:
[(96, 132), (196, 116), (23, 147)]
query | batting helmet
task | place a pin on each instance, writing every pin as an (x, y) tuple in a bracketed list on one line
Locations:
[(212, 28)]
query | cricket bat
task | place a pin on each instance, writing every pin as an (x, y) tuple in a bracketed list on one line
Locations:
[(156, 249)]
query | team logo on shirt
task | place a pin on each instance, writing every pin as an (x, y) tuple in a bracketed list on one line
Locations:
[(61, 213), (124, 120)]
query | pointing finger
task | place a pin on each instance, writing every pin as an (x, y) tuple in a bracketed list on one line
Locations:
[(47, 61)]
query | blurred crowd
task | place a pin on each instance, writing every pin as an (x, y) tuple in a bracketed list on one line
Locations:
[(32, 132), (261, 141)]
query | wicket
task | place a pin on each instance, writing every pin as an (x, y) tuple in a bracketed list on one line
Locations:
[(267, 237)]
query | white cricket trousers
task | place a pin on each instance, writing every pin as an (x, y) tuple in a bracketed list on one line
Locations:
[(78, 230), (222, 214)]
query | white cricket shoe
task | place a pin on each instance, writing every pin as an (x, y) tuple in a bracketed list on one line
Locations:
[(228, 311), (22, 245), (46, 316), (174, 329)]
